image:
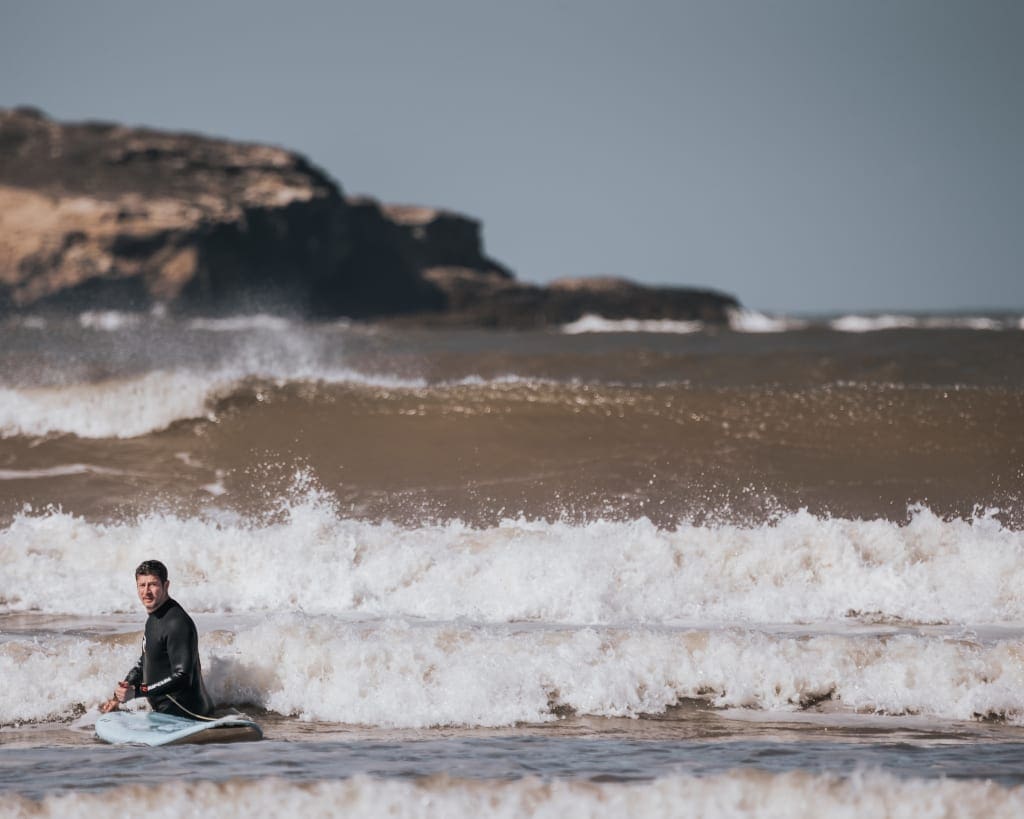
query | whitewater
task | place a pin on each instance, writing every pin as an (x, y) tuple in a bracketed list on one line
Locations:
[(617, 568), (798, 569), (379, 624)]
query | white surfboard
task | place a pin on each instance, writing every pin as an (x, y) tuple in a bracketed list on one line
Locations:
[(149, 728)]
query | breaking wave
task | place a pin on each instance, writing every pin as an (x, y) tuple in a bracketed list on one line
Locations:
[(798, 569)]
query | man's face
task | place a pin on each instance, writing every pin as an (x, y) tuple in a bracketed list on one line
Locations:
[(152, 592)]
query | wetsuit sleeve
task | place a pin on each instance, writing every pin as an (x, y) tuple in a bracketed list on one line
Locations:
[(134, 677), (181, 648)]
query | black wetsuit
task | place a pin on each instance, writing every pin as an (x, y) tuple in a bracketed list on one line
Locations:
[(169, 666)]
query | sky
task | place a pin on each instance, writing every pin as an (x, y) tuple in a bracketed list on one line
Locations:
[(806, 156)]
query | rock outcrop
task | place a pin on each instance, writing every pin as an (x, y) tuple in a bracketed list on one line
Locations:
[(96, 215), (490, 300), (396, 242), (102, 215)]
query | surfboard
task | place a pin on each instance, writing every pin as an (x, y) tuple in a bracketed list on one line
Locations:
[(150, 728)]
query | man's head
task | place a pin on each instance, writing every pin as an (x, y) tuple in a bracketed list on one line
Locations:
[(152, 584)]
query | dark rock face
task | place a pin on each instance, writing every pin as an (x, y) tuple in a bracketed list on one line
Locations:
[(438, 238), (102, 215), (399, 244), (96, 215), (492, 301)]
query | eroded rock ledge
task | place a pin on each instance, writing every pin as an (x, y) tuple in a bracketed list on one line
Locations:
[(102, 216)]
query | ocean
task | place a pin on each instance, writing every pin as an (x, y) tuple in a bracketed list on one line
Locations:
[(617, 568)]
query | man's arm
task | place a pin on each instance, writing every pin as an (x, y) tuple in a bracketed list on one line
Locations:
[(127, 689), (134, 677)]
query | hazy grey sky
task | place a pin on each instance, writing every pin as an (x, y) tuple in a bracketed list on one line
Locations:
[(804, 155)]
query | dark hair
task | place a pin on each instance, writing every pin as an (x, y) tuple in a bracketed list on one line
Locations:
[(152, 567)]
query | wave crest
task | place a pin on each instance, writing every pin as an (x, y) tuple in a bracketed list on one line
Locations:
[(801, 568)]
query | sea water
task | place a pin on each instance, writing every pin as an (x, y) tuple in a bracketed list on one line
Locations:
[(619, 569)]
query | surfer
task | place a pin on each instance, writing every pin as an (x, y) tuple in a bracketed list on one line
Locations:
[(168, 673)]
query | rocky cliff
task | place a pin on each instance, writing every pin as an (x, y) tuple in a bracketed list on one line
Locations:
[(97, 215)]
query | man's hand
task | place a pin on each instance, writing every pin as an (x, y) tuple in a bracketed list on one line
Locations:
[(122, 693)]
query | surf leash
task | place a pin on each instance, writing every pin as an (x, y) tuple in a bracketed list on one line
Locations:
[(237, 715), (194, 716)]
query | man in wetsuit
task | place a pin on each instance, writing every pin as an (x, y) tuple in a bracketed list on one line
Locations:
[(168, 673)]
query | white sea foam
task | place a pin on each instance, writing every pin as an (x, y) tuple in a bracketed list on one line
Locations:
[(232, 324), (744, 320), (158, 387), (129, 407), (751, 321), (867, 324), (599, 324), (965, 323), (109, 320), (403, 673), (874, 323), (740, 793), (346, 621), (740, 321), (120, 408), (800, 569), (407, 673), (59, 471)]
